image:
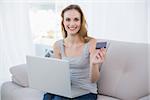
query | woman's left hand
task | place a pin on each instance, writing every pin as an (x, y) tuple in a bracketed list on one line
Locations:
[(99, 56)]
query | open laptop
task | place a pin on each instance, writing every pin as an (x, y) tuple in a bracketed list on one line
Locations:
[(51, 75)]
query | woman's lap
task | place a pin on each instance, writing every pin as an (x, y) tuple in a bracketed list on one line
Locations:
[(89, 96)]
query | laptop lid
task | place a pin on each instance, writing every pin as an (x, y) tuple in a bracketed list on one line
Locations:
[(49, 74)]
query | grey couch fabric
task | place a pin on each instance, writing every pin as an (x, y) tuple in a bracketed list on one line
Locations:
[(12, 91), (124, 76), (19, 75)]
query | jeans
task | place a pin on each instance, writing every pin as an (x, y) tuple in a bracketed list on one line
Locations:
[(89, 96)]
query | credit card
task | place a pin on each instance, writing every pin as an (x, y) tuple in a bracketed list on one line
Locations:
[(100, 45)]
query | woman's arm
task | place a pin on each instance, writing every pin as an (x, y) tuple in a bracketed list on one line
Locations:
[(96, 58)]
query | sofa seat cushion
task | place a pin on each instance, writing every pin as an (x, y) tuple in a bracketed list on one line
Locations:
[(102, 97), (11, 91)]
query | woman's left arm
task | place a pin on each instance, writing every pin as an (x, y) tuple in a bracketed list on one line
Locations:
[(97, 57)]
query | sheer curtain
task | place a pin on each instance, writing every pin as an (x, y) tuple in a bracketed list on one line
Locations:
[(15, 36), (148, 32)]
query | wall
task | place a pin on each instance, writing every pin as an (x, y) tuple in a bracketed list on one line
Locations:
[(148, 15), (118, 20), (124, 20)]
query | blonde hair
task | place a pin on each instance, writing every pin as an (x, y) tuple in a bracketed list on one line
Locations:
[(83, 30)]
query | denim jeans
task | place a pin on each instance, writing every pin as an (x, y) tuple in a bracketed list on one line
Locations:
[(89, 96)]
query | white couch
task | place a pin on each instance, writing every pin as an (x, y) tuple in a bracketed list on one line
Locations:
[(124, 76)]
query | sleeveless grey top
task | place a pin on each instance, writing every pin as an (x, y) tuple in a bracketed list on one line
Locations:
[(79, 68)]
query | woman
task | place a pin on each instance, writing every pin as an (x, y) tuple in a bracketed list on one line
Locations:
[(79, 50)]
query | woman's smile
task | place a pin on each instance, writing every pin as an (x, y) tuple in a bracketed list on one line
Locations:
[(72, 28)]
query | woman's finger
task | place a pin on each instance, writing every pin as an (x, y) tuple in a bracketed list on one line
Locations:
[(103, 51)]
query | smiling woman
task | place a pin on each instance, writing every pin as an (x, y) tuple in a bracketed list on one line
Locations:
[(79, 50)]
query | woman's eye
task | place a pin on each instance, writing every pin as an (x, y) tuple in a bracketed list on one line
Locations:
[(67, 19), (76, 19)]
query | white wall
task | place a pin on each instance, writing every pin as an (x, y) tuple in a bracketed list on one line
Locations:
[(148, 13), (125, 21), (15, 37)]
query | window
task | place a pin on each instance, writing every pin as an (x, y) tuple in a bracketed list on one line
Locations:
[(45, 22)]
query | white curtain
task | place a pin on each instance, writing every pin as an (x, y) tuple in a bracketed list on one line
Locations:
[(15, 36)]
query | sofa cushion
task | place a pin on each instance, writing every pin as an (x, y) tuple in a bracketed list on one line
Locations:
[(19, 75), (11, 91), (124, 74)]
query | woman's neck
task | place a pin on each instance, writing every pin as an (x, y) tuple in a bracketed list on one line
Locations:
[(74, 39)]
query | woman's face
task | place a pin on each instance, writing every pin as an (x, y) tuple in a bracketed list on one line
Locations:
[(72, 21)]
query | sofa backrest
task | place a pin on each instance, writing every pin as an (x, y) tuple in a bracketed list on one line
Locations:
[(124, 74)]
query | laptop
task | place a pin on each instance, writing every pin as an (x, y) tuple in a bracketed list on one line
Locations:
[(52, 75)]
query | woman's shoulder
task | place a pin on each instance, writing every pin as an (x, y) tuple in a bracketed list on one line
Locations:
[(57, 45), (92, 44), (91, 40), (58, 42), (57, 48)]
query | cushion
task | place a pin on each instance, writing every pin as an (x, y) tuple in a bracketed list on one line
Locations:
[(19, 75), (124, 74), (19, 93)]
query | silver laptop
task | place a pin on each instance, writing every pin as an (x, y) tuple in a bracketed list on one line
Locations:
[(51, 75)]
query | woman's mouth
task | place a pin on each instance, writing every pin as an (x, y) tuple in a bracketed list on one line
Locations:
[(72, 28)]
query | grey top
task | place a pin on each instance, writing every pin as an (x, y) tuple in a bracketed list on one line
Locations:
[(79, 68)]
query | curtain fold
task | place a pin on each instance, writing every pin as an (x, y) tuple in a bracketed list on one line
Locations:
[(15, 36)]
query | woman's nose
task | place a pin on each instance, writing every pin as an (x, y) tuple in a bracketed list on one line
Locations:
[(72, 23)]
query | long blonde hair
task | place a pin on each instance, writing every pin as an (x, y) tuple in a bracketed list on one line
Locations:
[(83, 30)]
